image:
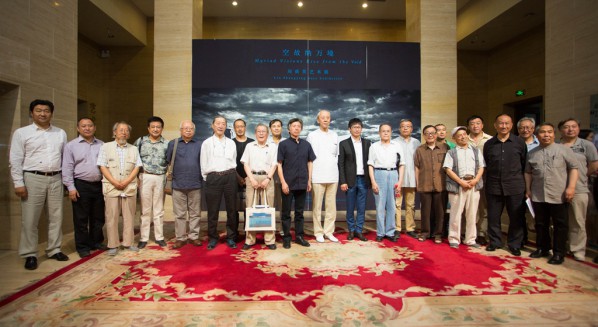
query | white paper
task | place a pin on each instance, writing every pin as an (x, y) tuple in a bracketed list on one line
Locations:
[(530, 207)]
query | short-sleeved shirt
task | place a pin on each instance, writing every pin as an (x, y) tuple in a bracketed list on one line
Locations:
[(186, 173), (153, 154), (240, 149), (260, 158), (505, 163), (465, 160), (480, 143), (533, 144), (325, 146), (293, 155), (586, 153), (549, 169), (386, 155), (428, 161), (409, 148)]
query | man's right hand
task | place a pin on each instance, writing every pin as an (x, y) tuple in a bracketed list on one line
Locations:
[(21, 192), (285, 188), (73, 195), (344, 187)]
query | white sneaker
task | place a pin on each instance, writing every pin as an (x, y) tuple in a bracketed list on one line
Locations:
[(320, 239), (112, 251), (133, 248), (332, 238)]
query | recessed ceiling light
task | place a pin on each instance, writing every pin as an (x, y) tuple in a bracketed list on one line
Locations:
[(235, 3), (300, 4), (364, 5)]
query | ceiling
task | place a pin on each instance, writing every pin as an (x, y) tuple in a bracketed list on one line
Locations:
[(524, 16)]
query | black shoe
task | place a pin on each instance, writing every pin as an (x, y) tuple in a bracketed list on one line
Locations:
[(596, 259), (31, 263), (271, 246), (556, 259), (392, 238), (379, 238), (60, 257), (539, 253), (231, 244), (515, 251), (481, 240), (246, 246), (492, 248), (141, 245), (361, 237), (350, 236), (161, 243), (100, 247), (302, 241), (286, 244), (412, 234), (84, 253), (212, 244)]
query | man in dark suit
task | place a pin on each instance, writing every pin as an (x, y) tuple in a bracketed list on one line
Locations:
[(353, 176)]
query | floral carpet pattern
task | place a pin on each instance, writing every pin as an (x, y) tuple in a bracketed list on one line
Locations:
[(351, 283)]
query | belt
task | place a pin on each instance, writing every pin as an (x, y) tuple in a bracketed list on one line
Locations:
[(88, 182), (389, 169), (147, 172), (37, 172), (467, 177), (222, 173), (261, 172)]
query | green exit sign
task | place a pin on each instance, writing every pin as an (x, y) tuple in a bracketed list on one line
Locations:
[(519, 93)]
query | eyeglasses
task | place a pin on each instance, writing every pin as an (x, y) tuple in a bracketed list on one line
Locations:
[(526, 128), (430, 133)]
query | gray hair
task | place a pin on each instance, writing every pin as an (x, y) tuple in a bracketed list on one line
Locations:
[(184, 121), (122, 122), (261, 125), (524, 119)]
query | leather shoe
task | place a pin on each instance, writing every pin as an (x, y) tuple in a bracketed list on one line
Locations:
[(300, 240), (178, 244), (350, 236), (161, 243), (271, 246), (515, 251), (539, 253), (212, 244), (141, 245), (231, 244), (361, 237), (286, 244), (556, 259), (84, 253), (31, 263), (392, 238), (246, 246), (379, 238), (412, 234), (492, 248), (100, 246), (196, 242), (60, 257)]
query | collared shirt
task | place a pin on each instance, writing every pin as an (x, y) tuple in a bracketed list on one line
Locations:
[(428, 161), (260, 157), (121, 151), (505, 164), (465, 160), (153, 154), (409, 147), (480, 143), (240, 147), (586, 153), (294, 155), (388, 155), (35, 148), (325, 146), (358, 156), (80, 161), (549, 167), (217, 155), (187, 170), (533, 144)]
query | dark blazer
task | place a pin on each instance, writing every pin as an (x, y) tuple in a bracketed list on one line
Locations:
[(347, 165)]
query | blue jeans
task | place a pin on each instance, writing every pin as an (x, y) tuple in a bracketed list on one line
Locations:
[(356, 196), (385, 202)]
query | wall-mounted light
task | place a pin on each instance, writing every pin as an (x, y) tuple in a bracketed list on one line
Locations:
[(300, 4), (235, 3), (364, 5)]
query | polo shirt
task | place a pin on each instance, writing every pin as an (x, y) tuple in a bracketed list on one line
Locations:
[(260, 158), (549, 169), (293, 155), (386, 155)]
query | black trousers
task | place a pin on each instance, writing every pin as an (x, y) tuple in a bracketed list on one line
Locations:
[(560, 220), (285, 217), (217, 186), (432, 212), (88, 215), (516, 210)]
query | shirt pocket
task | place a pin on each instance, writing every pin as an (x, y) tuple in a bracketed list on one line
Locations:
[(557, 162)]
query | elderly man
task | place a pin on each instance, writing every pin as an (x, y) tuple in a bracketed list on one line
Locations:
[(526, 127), (259, 161), (241, 140), (354, 177), (152, 150), (324, 143), (551, 173), (295, 158), (35, 164), (83, 179), (186, 185), (585, 152), (409, 145), (218, 168), (119, 162)]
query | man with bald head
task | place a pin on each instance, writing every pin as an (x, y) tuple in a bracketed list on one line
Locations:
[(186, 185)]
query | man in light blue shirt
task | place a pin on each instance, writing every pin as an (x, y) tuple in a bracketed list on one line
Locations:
[(409, 145)]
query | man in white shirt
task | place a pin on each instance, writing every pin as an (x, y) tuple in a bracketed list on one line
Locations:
[(35, 167), (218, 167), (324, 178), (409, 146)]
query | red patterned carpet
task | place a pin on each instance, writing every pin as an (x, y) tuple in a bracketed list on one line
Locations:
[(353, 283)]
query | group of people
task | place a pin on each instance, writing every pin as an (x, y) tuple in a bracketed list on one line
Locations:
[(476, 176)]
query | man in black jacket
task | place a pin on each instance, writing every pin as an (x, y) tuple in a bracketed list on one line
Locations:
[(353, 176)]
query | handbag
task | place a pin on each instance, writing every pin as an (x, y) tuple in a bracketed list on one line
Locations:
[(168, 186), (260, 217)]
